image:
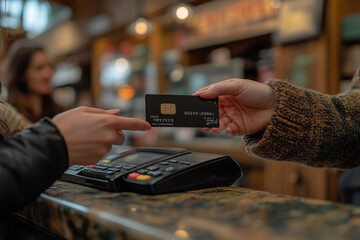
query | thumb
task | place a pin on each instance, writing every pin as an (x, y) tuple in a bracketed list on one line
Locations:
[(219, 89)]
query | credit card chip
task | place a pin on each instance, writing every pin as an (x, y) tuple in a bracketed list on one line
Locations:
[(168, 108)]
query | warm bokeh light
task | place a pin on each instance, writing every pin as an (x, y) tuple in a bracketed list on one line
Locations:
[(181, 234), (126, 92), (141, 27), (182, 12)]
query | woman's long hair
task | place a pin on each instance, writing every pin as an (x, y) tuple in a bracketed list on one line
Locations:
[(19, 59)]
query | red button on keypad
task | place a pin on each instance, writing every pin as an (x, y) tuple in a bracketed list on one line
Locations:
[(133, 175)]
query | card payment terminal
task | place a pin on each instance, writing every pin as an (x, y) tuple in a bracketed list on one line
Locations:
[(156, 170)]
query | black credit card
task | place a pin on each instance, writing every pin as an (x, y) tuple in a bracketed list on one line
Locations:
[(181, 111)]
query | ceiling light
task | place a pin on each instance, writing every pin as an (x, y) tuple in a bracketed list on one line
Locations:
[(182, 11), (140, 27)]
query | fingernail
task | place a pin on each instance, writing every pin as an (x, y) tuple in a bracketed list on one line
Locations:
[(200, 91), (114, 111)]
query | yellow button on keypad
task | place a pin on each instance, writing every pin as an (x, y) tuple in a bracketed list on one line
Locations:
[(106, 161), (143, 177)]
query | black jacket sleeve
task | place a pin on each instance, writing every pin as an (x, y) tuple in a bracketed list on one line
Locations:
[(30, 161)]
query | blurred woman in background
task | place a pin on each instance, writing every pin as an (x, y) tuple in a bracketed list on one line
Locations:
[(29, 72)]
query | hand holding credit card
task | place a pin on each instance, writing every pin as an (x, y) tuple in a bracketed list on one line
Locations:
[(181, 111)]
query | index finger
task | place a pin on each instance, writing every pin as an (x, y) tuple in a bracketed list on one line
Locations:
[(124, 123), (97, 110)]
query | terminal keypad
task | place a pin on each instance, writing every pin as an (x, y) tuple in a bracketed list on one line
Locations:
[(159, 169)]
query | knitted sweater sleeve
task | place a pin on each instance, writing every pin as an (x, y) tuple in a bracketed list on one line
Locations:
[(311, 128)]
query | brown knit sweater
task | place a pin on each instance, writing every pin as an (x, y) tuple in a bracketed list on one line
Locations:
[(311, 128)]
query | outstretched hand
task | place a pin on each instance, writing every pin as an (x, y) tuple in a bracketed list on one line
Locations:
[(89, 132), (245, 106)]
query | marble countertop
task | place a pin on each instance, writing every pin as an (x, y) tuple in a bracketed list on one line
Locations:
[(78, 212)]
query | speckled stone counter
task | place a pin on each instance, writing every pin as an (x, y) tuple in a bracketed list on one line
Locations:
[(78, 212)]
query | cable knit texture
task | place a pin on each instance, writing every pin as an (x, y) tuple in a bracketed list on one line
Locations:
[(311, 128)]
